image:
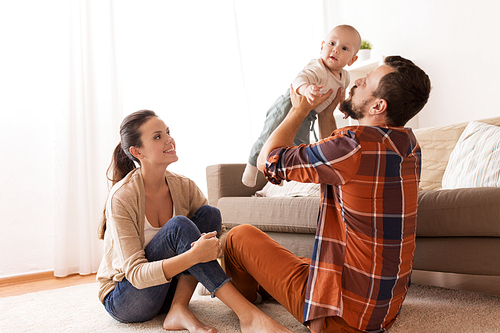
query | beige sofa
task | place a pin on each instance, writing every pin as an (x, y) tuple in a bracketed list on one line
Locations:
[(458, 230)]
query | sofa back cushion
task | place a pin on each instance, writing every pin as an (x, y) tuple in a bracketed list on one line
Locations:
[(436, 144), (475, 161)]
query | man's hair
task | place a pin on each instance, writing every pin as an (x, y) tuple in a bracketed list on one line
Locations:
[(406, 90)]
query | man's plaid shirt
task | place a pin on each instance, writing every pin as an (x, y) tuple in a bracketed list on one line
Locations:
[(365, 239)]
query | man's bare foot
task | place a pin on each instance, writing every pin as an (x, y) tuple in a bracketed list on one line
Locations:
[(258, 322), (181, 318)]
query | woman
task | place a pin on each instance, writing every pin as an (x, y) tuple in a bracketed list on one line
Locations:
[(160, 237)]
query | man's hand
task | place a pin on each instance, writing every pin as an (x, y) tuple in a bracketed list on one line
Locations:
[(326, 120), (339, 98)]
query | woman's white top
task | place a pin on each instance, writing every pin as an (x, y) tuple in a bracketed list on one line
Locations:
[(149, 232)]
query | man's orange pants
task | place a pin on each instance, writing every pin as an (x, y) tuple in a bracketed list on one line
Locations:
[(254, 259)]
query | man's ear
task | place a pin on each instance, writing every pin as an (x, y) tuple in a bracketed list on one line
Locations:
[(352, 60), (135, 152), (378, 107)]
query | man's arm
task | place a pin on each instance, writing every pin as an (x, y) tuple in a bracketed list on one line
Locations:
[(284, 134), (326, 120)]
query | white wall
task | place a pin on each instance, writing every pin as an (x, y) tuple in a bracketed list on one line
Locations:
[(452, 40), (213, 82)]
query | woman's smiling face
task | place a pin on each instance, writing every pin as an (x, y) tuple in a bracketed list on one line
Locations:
[(158, 147)]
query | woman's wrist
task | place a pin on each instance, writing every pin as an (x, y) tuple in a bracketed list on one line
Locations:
[(178, 264)]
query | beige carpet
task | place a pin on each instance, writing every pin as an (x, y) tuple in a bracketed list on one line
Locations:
[(77, 309)]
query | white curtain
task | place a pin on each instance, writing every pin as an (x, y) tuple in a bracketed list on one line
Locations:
[(72, 69), (209, 69), (86, 134)]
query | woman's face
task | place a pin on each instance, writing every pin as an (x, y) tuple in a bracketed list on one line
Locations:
[(158, 147)]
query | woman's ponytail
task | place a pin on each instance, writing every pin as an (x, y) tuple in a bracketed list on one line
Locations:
[(122, 161), (120, 165)]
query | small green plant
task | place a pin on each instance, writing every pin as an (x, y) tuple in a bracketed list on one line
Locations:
[(365, 45)]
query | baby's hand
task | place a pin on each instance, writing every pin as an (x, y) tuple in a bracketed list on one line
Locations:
[(312, 91)]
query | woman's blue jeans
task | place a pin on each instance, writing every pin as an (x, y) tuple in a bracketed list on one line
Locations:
[(129, 305)]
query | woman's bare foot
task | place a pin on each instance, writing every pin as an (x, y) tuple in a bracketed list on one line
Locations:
[(181, 318), (259, 322)]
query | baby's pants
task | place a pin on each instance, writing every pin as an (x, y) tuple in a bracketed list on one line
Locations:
[(274, 116)]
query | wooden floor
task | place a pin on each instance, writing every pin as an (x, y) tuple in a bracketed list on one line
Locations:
[(45, 281), (19, 285)]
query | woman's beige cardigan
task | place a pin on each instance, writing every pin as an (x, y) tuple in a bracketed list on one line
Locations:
[(124, 238)]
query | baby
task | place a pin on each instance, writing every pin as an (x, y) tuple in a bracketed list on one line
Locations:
[(337, 50)]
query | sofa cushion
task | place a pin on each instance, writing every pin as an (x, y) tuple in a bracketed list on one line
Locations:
[(286, 214), (475, 160), (436, 144), (290, 189), (465, 212)]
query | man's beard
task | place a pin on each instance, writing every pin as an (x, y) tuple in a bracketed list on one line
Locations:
[(351, 110)]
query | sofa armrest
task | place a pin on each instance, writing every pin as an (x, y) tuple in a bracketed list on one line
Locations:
[(224, 180), (461, 212)]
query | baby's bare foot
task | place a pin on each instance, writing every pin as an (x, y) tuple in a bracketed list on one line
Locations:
[(181, 318)]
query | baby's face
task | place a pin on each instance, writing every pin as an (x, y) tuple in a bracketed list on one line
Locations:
[(339, 49)]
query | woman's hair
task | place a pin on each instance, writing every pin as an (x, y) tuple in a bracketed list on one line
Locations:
[(123, 161)]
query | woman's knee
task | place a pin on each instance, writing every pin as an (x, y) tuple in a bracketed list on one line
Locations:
[(208, 218), (209, 212), (173, 238), (180, 222)]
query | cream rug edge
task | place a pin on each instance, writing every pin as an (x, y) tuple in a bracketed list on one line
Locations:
[(77, 309)]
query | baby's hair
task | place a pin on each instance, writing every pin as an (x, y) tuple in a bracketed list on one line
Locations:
[(351, 29)]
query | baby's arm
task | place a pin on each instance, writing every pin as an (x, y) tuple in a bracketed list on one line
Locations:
[(310, 91)]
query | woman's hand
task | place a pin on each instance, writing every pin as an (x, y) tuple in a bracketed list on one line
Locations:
[(207, 247)]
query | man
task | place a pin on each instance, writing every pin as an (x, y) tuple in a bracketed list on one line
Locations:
[(362, 258)]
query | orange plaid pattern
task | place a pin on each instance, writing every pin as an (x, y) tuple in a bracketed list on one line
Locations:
[(365, 239)]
